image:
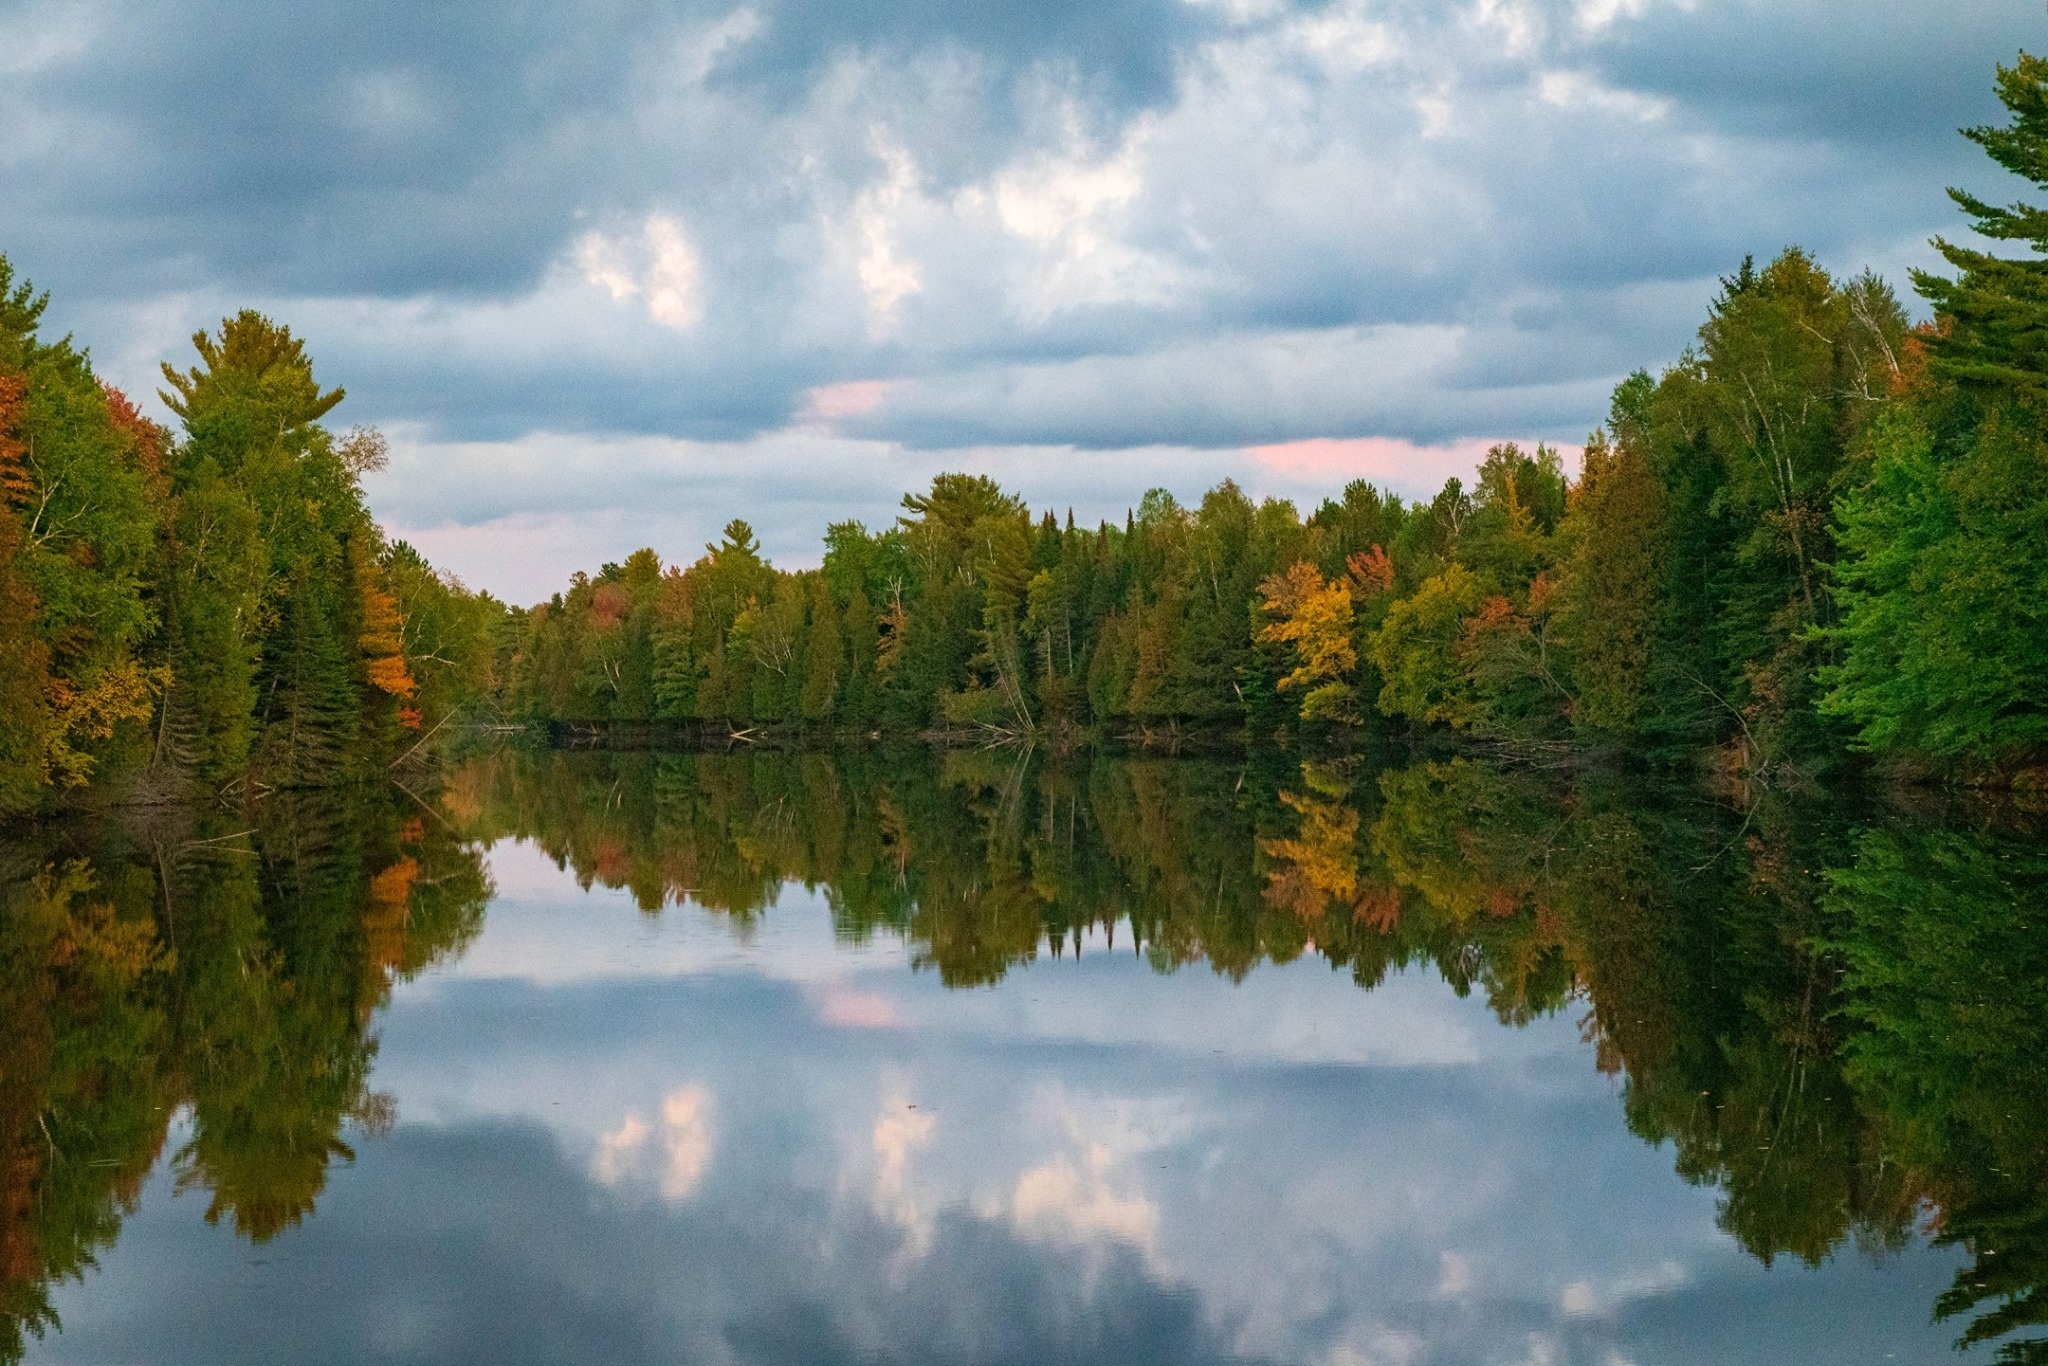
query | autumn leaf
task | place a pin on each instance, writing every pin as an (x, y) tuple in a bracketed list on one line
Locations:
[(1371, 571), (15, 485)]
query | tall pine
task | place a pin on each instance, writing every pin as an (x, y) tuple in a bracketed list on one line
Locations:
[(1944, 584)]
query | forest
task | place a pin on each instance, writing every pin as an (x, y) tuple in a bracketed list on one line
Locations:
[(213, 609), (1822, 532), (1819, 537)]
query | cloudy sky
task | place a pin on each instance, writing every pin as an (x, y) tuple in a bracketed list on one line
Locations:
[(609, 272)]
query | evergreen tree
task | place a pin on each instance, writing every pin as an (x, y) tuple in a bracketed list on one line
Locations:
[(1944, 632), (1995, 310), (824, 656), (1614, 584), (263, 505)]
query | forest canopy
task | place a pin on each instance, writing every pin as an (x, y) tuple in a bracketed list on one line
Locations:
[(1821, 531), (210, 608)]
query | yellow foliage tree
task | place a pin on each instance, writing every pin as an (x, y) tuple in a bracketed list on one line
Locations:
[(1314, 616), (123, 691)]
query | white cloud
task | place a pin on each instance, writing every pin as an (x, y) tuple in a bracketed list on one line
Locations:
[(1596, 16), (1588, 1297), (1056, 198), (1090, 1191), (699, 53), (604, 265), (1582, 90), (900, 1130), (686, 1133), (1516, 25), (1078, 1201), (1070, 207), (1346, 41), (674, 1152), (619, 1149), (661, 264), (1436, 111), (671, 283), (830, 403), (1243, 11), (887, 278)]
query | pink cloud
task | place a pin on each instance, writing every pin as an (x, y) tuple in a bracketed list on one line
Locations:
[(1404, 465), (850, 1009), (849, 398)]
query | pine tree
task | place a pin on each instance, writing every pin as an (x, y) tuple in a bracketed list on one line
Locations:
[(823, 656), (308, 708), (1944, 633), (1613, 584), (1996, 308), (212, 593)]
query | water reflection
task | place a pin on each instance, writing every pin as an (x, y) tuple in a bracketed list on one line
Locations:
[(1834, 1020), (201, 966), (1945, 1002)]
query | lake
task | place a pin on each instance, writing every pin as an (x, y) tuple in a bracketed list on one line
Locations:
[(989, 1057)]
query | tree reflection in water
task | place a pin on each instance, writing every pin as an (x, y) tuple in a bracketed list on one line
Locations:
[(226, 967), (1836, 1019)]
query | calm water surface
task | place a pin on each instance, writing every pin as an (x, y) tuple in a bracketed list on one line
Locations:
[(970, 1058)]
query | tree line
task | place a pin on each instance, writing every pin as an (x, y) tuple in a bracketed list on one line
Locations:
[(213, 607), (1823, 529)]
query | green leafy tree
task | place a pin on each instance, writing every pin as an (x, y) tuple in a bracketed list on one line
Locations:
[(1416, 651), (79, 484)]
